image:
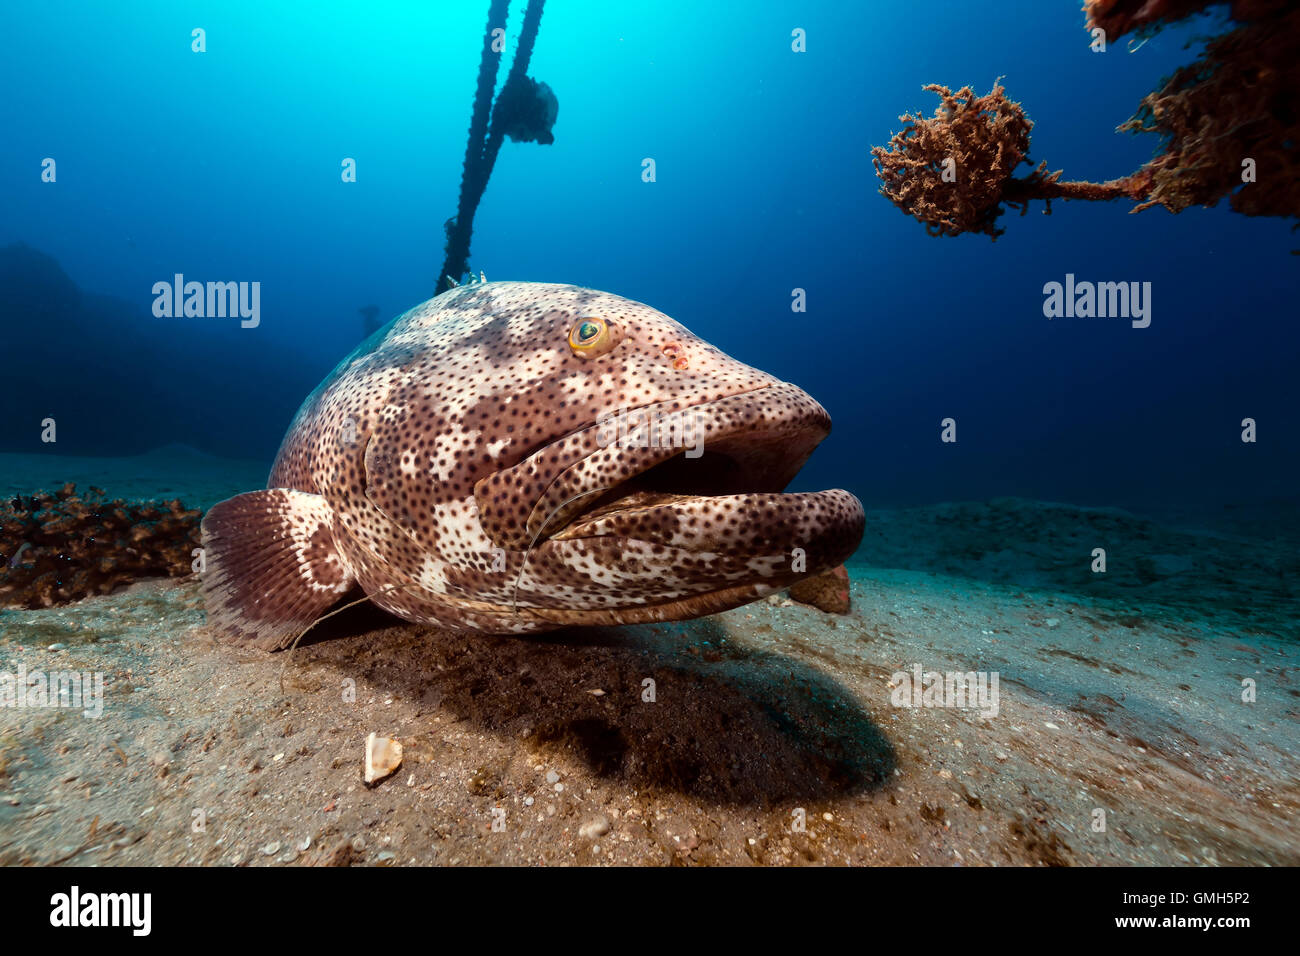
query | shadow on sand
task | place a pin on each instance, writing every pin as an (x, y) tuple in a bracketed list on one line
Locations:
[(727, 724)]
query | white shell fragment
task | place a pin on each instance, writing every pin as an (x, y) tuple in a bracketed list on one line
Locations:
[(383, 756)]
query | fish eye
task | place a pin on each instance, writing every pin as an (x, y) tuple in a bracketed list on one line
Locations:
[(590, 337)]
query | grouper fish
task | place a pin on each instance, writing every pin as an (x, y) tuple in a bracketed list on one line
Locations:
[(511, 457)]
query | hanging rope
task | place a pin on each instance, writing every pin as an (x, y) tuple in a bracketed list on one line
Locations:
[(484, 137)]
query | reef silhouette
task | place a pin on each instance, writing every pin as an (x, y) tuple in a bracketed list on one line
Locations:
[(106, 370)]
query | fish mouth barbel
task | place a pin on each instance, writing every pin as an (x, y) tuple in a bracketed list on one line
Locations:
[(511, 457)]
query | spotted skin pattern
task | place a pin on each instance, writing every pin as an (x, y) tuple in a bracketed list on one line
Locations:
[(459, 468)]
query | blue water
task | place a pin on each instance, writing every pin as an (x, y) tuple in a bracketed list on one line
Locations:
[(225, 165)]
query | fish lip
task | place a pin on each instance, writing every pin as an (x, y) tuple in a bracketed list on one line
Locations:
[(669, 589), (760, 437), (517, 522), (588, 429)]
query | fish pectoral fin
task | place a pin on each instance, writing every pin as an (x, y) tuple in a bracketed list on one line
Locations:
[(270, 566)]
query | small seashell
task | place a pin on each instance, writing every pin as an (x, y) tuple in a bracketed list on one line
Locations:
[(383, 756)]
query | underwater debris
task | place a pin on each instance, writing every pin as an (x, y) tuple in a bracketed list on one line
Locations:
[(525, 110), (61, 547), (1230, 111)]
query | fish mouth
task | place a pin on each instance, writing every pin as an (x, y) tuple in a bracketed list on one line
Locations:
[(681, 511), (749, 443)]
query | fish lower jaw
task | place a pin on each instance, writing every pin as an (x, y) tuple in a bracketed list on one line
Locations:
[(738, 525), (682, 609)]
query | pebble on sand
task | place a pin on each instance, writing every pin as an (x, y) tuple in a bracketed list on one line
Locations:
[(594, 829)]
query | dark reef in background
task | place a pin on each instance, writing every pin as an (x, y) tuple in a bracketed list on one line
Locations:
[(119, 381)]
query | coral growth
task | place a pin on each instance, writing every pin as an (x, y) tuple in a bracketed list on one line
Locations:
[(1231, 111), (1118, 17), (56, 548), (1235, 103), (981, 140)]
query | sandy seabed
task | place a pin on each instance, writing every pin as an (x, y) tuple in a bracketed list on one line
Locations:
[(774, 735)]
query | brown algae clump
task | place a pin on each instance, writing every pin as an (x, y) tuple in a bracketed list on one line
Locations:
[(953, 171), (1227, 123), (57, 548)]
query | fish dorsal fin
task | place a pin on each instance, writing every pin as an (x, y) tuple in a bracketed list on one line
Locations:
[(270, 566)]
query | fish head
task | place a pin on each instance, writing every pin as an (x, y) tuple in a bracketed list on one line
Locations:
[(629, 470)]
